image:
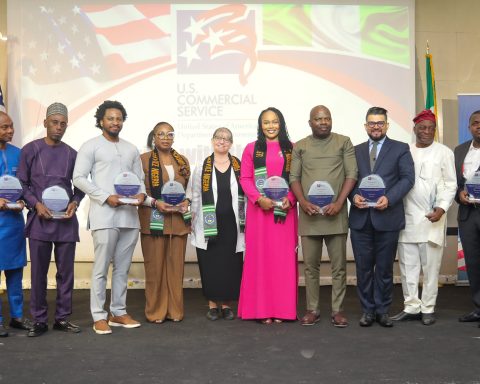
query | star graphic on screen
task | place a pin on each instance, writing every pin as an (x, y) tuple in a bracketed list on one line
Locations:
[(95, 68), (190, 53), (214, 39), (195, 28), (32, 70), (76, 10), (75, 63), (56, 68), (61, 48)]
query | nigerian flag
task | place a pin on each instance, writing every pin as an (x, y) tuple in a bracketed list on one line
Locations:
[(431, 98)]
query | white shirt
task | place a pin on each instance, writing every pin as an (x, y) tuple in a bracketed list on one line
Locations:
[(103, 160), (471, 162), (435, 186)]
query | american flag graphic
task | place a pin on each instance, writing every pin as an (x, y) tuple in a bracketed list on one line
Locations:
[(98, 50), (98, 41), (218, 41)]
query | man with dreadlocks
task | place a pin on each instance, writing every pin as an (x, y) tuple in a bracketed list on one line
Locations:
[(113, 223)]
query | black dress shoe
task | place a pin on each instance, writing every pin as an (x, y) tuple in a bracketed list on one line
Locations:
[(405, 316), (37, 329), (469, 317), (20, 323), (367, 320), (227, 313), (212, 314), (384, 320), (66, 326), (428, 318), (3, 331)]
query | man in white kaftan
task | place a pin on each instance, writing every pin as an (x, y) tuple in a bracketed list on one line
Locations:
[(421, 243)]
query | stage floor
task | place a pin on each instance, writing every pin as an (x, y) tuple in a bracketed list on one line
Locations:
[(197, 350)]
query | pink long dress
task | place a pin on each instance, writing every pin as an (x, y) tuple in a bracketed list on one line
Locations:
[(270, 272)]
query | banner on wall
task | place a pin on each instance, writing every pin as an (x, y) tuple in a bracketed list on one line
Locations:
[(467, 103)]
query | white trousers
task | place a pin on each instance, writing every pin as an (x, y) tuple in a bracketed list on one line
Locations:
[(415, 258), (115, 245)]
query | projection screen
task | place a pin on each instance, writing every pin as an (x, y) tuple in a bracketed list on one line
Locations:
[(203, 66)]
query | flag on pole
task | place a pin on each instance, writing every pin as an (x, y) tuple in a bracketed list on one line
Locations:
[(431, 95), (2, 105)]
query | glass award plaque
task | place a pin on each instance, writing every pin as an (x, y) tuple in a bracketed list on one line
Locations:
[(56, 200), (276, 188), (127, 184), (372, 188), (320, 194), (173, 193), (11, 190), (473, 188)]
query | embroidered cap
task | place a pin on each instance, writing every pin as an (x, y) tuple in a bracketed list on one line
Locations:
[(57, 109)]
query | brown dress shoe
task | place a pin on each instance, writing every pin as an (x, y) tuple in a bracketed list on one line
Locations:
[(339, 320), (310, 318)]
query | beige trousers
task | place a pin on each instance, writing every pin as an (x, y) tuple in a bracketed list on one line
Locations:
[(164, 258)]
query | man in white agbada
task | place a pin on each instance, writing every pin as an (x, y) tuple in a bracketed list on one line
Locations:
[(421, 243)]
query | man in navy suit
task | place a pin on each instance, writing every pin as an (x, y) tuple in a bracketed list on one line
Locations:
[(374, 230), (467, 161)]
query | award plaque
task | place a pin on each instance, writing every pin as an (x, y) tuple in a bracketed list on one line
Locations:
[(173, 193), (11, 190), (372, 188), (321, 194), (127, 184), (276, 188), (56, 200), (473, 188)]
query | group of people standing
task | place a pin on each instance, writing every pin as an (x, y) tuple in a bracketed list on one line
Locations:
[(246, 241)]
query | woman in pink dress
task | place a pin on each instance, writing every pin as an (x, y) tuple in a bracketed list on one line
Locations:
[(269, 283)]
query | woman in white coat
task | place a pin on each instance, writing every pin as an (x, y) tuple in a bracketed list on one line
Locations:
[(218, 212)]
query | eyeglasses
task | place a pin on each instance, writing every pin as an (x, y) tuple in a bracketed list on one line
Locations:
[(165, 135), (220, 139), (379, 124)]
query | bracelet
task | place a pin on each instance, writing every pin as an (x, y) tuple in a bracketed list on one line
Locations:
[(153, 203)]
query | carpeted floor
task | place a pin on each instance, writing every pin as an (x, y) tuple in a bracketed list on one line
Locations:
[(200, 351)]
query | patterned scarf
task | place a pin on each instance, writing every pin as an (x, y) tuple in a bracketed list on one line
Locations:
[(156, 183), (210, 229), (260, 165)]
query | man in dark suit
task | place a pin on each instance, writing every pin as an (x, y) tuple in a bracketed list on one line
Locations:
[(467, 161), (374, 230)]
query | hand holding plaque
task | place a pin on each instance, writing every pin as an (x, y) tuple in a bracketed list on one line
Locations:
[(127, 185), (320, 194), (473, 188), (372, 187), (173, 193), (56, 200), (276, 188), (11, 190)]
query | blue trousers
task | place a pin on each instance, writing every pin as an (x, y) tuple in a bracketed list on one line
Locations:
[(13, 278)]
